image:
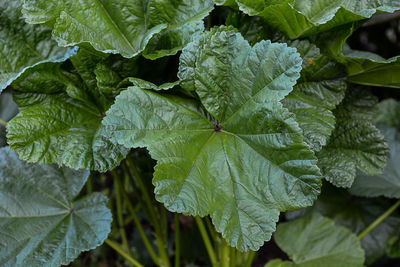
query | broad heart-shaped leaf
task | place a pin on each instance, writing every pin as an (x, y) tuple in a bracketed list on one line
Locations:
[(298, 18), (315, 241), (61, 114), (243, 169), (8, 109), (40, 223), (319, 90), (23, 46), (122, 26), (356, 214), (355, 142), (387, 119)]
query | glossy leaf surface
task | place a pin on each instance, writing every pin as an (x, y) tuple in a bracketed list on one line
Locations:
[(127, 27), (61, 114), (23, 46), (40, 223), (315, 241), (241, 161)]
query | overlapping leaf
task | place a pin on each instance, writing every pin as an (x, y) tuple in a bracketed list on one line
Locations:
[(315, 241), (127, 27), (305, 17), (319, 90), (61, 114), (244, 160), (40, 224), (357, 214), (23, 46), (386, 184), (355, 143), (8, 109)]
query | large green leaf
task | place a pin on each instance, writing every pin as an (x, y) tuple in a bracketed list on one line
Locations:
[(61, 114), (298, 18), (23, 46), (8, 109), (357, 214), (314, 241), (387, 184), (122, 26), (40, 223), (319, 90), (243, 165), (355, 142)]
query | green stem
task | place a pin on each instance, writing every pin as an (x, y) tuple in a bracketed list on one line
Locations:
[(120, 216), (379, 220), (162, 248), (4, 123), (121, 252), (233, 257), (206, 240), (177, 241), (139, 226), (225, 260), (250, 258)]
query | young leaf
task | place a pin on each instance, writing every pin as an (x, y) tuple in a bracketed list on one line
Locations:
[(40, 223), (305, 17), (124, 27), (319, 90), (243, 165), (355, 142), (388, 183), (60, 119), (315, 241), (23, 46)]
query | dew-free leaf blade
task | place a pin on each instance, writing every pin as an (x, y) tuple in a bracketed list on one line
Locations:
[(23, 46), (314, 241), (241, 171), (124, 27), (40, 224)]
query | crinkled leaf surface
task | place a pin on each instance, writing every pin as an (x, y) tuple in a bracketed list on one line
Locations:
[(298, 18), (8, 109), (356, 214), (315, 241), (388, 183), (244, 160), (319, 90), (22, 45), (355, 142), (61, 114), (40, 224), (122, 26)]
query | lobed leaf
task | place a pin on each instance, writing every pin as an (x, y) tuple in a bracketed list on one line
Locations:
[(355, 142), (23, 46), (127, 27), (40, 223), (243, 159), (60, 118)]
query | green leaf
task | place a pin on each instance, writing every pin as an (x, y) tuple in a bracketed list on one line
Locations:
[(60, 119), (315, 241), (279, 263), (319, 90), (23, 46), (387, 184), (124, 27), (40, 223), (355, 142), (305, 17), (8, 109), (357, 214), (149, 85), (242, 169)]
